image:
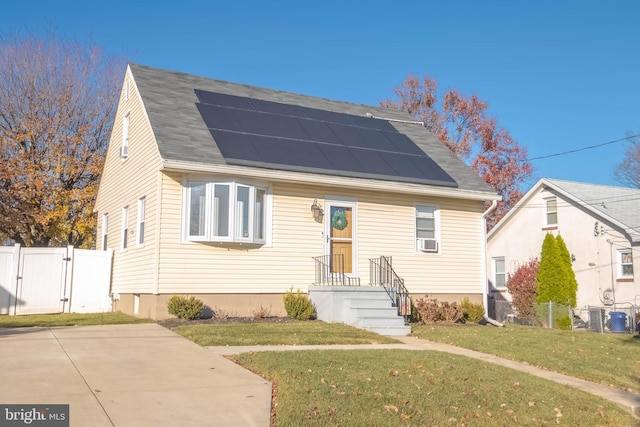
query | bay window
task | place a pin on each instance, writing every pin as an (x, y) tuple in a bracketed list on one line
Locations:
[(225, 212)]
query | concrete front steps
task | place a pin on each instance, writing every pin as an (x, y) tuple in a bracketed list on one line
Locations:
[(365, 307)]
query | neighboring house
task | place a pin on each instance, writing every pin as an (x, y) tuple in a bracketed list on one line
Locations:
[(237, 194), (601, 227)]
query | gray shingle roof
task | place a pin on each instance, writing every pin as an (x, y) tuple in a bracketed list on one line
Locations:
[(620, 204), (181, 134)]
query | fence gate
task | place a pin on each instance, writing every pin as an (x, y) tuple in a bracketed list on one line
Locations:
[(41, 280)]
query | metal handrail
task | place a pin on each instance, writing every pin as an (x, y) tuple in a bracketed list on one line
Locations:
[(381, 273), (330, 271)]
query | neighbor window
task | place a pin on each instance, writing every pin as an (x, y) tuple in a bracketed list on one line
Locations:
[(499, 274), (141, 209), (552, 211), (426, 228), (125, 230), (105, 230), (625, 258), (225, 212)]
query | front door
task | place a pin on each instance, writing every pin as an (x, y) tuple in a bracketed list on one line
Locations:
[(340, 232)]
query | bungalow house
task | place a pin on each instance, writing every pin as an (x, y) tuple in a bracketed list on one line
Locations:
[(237, 194), (600, 225)]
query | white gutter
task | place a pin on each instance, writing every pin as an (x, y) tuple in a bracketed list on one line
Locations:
[(485, 279), (332, 180)]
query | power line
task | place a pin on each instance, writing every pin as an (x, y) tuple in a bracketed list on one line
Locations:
[(584, 148)]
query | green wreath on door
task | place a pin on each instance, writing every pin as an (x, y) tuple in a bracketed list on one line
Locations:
[(339, 219)]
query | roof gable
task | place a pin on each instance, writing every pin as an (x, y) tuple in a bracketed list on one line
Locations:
[(616, 205), (174, 110)]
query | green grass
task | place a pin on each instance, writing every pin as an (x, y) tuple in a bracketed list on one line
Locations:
[(291, 333), (604, 358), (69, 319), (415, 388)]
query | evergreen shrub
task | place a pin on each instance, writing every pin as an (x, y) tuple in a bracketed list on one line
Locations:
[(298, 306), (187, 308)]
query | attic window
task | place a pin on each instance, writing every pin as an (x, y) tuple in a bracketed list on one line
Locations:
[(552, 211), (124, 149), (225, 212)]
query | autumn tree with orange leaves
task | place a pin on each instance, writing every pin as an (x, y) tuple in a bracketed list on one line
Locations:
[(57, 102), (464, 125)]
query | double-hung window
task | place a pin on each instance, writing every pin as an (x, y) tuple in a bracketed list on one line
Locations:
[(125, 226), (225, 212), (105, 230), (625, 259), (551, 217), (141, 215), (124, 149), (427, 222), (499, 273)]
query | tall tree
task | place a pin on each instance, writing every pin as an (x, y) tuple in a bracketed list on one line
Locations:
[(465, 126), (57, 102), (556, 280), (627, 172)]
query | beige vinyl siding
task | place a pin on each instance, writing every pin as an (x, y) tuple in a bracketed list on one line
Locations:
[(123, 182), (385, 226)]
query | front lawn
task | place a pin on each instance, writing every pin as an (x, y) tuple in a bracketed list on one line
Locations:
[(418, 388), (69, 319), (289, 333), (605, 358)]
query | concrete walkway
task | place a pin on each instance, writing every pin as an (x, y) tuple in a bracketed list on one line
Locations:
[(129, 375), (628, 401)]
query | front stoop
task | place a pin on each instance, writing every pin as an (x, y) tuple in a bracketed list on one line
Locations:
[(365, 307)]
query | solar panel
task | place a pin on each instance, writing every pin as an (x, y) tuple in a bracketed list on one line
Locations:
[(261, 133)]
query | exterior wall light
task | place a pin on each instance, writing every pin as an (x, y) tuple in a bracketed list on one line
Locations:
[(317, 211)]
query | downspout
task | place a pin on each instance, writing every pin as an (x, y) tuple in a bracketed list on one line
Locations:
[(485, 281)]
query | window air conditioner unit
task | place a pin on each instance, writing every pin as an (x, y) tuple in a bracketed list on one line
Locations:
[(428, 245), (124, 151)]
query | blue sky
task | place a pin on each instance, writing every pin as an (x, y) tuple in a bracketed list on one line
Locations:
[(558, 75)]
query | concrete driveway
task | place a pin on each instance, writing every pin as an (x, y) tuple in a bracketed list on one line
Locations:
[(128, 375)]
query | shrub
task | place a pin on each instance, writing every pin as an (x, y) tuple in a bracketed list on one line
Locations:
[(434, 311), (299, 306), (223, 313), (261, 312), (522, 286), (187, 308), (473, 313)]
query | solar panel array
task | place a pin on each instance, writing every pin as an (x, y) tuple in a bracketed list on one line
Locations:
[(268, 134)]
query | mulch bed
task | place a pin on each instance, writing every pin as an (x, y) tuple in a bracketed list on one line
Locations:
[(172, 323)]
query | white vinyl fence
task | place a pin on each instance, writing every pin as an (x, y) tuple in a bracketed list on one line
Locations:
[(54, 280)]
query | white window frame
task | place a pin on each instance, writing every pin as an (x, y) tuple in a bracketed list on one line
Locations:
[(235, 218), (496, 272), (625, 258), (124, 149), (427, 245), (105, 230), (125, 227), (140, 221), (547, 212)]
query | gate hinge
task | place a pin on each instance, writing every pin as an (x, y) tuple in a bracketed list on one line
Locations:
[(66, 259), (64, 299)]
